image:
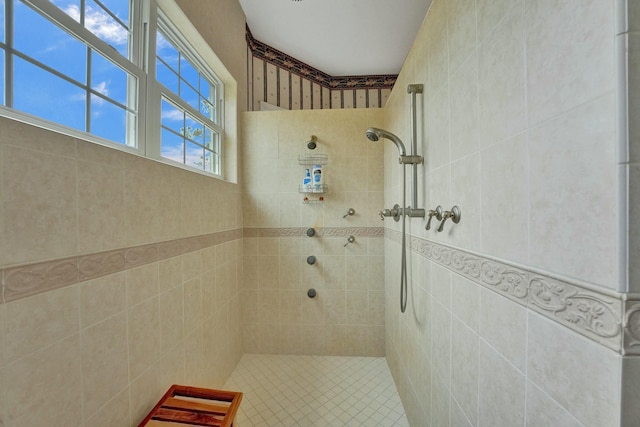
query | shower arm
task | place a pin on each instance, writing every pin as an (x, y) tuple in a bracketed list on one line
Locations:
[(413, 159)]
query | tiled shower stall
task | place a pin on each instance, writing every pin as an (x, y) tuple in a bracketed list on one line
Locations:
[(121, 275)]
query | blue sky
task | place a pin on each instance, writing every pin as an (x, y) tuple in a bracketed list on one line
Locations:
[(40, 92)]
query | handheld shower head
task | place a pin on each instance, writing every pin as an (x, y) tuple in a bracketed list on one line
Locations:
[(374, 134)]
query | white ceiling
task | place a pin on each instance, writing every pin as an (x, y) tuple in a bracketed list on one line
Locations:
[(339, 37)]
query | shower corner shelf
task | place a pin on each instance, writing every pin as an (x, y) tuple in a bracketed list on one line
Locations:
[(324, 188), (309, 201), (312, 159), (310, 196)]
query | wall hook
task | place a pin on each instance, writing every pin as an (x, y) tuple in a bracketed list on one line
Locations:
[(350, 239)]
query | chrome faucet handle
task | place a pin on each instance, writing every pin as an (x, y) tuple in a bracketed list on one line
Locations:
[(437, 213), (350, 212), (350, 239), (383, 213), (455, 214)]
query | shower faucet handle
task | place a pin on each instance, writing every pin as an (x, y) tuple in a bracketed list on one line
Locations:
[(437, 213), (455, 214), (350, 212)]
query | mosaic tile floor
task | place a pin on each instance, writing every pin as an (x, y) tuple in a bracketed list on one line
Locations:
[(316, 391)]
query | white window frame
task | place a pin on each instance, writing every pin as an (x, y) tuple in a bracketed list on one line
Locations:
[(144, 16), (156, 90)]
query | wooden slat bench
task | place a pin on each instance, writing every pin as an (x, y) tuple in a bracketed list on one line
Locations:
[(182, 406)]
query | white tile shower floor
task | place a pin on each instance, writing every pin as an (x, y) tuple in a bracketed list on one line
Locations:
[(306, 391)]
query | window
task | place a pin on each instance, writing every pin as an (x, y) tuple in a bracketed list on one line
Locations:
[(78, 66), (190, 119)]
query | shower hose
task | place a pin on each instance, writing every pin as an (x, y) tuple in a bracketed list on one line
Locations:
[(403, 261)]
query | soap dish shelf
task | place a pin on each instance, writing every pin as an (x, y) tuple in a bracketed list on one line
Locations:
[(312, 159), (324, 189)]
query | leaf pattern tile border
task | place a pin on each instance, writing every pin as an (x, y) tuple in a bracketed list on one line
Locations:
[(607, 317)]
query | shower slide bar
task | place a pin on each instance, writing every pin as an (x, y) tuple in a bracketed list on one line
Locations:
[(375, 134)]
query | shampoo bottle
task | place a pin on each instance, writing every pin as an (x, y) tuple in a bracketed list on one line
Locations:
[(306, 181), (317, 178)]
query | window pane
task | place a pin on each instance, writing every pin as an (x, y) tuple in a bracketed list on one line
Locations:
[(189, 95), (49, 44), (166, 51), (108, 120), (209, 162), (188, 73), (166, 76), (100, 23), (194, 156), (207, 109), (194, 130), (112, 32), (2, 35), (206, 89), (70, 7), (172, 146), (43, 94), (120, 8), (172, 118), (108, 79)]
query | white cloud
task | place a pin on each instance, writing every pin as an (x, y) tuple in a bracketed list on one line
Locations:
[(100, 24), (173, 115), (102, 88)]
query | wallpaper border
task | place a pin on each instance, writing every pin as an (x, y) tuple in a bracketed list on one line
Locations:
[(273, 56)]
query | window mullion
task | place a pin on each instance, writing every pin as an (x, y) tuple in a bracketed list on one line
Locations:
[(8, 56), (88, 90)]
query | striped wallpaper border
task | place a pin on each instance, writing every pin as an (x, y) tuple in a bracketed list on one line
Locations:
[(273, 56)]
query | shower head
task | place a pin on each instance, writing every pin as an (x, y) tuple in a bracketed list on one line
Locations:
[(374, 134)]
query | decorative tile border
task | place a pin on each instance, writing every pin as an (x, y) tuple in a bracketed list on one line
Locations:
[(280, 59), (631, 325), (26, 280), (320, 231), (602, 316)]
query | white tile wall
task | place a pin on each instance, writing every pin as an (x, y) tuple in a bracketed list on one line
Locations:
[(519, 130)]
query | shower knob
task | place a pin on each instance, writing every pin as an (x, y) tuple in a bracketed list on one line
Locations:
[(311, 293), (455, 214), (311, 232), (437, 213), (311, 260), (350, 239), (350, 212)]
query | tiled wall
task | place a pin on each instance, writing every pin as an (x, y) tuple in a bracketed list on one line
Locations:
[(518, 126), (140, 288), (120, 275), (347, 315)]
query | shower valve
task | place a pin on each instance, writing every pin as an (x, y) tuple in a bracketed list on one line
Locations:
[(395, 213), (437, 213), (454, 214)]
